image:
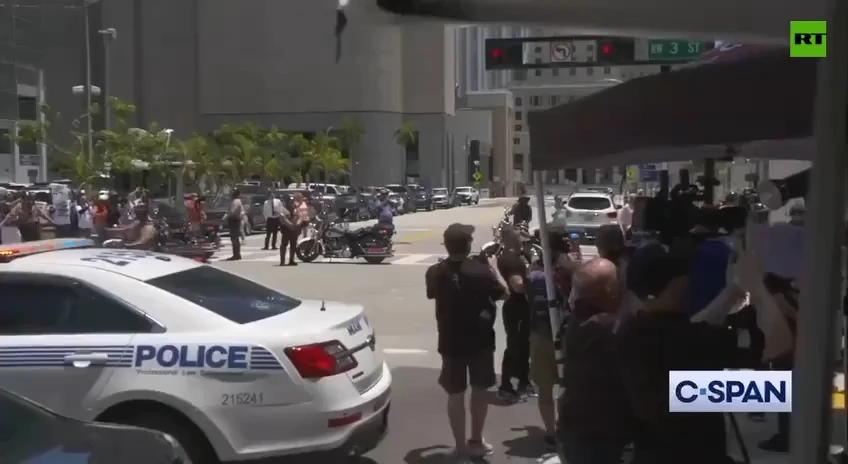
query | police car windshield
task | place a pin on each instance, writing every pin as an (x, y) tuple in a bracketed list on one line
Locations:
[(239, 300)]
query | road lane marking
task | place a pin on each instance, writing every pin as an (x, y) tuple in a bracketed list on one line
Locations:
[(412, 259), (404, 351), (416, 237)]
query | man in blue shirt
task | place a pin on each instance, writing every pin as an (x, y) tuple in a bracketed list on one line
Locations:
[(386, 215)]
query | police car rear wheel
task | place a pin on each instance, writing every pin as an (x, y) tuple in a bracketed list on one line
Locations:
[(197, 448)]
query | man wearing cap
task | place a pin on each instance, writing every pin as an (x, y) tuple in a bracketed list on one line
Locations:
[(465, 290)]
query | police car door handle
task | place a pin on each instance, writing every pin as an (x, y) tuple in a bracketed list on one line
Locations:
[(87, 359)]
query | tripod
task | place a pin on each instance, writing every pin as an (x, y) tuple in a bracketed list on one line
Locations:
[(746, 457)]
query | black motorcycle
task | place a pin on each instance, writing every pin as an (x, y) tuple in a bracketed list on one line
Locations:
[(188, 245), (332, 239)]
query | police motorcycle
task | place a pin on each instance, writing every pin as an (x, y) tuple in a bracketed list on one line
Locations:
[(189, 245), (334, 239), (494, 247), (532, 250)]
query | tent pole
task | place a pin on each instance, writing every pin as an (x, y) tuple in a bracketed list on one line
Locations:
[(821, 285), (553, 307)]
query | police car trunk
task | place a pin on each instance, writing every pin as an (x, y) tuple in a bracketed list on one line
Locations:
[(211, 319)]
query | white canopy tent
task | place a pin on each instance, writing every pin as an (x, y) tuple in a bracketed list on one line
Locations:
[(740, 21)]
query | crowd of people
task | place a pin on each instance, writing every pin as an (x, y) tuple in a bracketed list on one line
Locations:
[(627, 321), (23, 219)]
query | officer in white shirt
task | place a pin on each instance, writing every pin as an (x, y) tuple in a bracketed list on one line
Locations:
[(272, 210)]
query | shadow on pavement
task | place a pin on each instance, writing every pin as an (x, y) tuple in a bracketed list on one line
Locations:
[(419, 432), (529, 445)]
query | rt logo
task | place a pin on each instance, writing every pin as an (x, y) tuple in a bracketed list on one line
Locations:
[(807, 39)]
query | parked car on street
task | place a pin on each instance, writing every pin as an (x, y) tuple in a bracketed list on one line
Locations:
[(441, 198), (407, 196), (467, 195), (422, 197), (217, 212), (352, 205)]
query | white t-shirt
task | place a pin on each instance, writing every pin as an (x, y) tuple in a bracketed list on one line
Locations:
[(272, 207), (625, 217)]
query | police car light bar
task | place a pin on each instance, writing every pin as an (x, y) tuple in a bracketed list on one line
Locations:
[(10, 252)]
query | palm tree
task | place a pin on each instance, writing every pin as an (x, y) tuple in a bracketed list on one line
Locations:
[(323, 145), (405, 136), (333, 164)]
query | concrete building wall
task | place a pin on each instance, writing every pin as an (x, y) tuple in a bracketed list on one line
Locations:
[(192, 65), (266, 56)]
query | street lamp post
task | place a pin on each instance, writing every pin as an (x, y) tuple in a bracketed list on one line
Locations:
[(109, 35)]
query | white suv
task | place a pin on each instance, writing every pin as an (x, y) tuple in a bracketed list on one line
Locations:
[(467, 195), (586, 212)]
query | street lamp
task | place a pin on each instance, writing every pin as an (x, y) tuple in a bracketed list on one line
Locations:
[(139, 132), (80, 90)]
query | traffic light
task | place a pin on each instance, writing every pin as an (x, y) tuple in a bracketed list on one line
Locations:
[(504, 54), (615, 51)]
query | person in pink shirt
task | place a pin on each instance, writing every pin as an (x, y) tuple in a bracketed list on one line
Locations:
[(301, 212)]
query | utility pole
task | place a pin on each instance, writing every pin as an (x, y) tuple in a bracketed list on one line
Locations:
[(109, 35), (89, 125)]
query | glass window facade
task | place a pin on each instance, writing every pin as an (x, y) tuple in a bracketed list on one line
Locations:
[(22, 45), (21, 51)]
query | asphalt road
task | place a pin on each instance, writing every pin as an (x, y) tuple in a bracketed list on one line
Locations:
[(393, 295)]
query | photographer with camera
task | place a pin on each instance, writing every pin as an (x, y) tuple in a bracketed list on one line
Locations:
[(465, 290)]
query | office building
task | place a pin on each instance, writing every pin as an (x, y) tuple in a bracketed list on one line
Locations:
[(21, 91), (192, 65), (541, 89)]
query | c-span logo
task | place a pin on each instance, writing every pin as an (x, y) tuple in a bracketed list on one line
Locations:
[(730, 391)]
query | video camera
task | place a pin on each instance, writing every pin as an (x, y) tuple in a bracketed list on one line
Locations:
[(697, 236)]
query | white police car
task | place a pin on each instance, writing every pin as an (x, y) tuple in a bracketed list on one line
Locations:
[(232, 369)]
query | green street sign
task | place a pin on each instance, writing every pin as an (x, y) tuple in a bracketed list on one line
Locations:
[(674, 50), (477, 176)]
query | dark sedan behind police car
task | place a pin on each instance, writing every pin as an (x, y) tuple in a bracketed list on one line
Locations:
[(32, 434)]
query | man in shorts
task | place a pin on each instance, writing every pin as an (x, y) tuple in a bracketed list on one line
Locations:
[(466, 290)]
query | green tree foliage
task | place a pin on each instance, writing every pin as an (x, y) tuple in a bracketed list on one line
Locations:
[(229, 155), (248, 151), (119, 150)]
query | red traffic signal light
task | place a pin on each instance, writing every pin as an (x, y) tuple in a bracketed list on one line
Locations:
[(606, 49), (496, 53)]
